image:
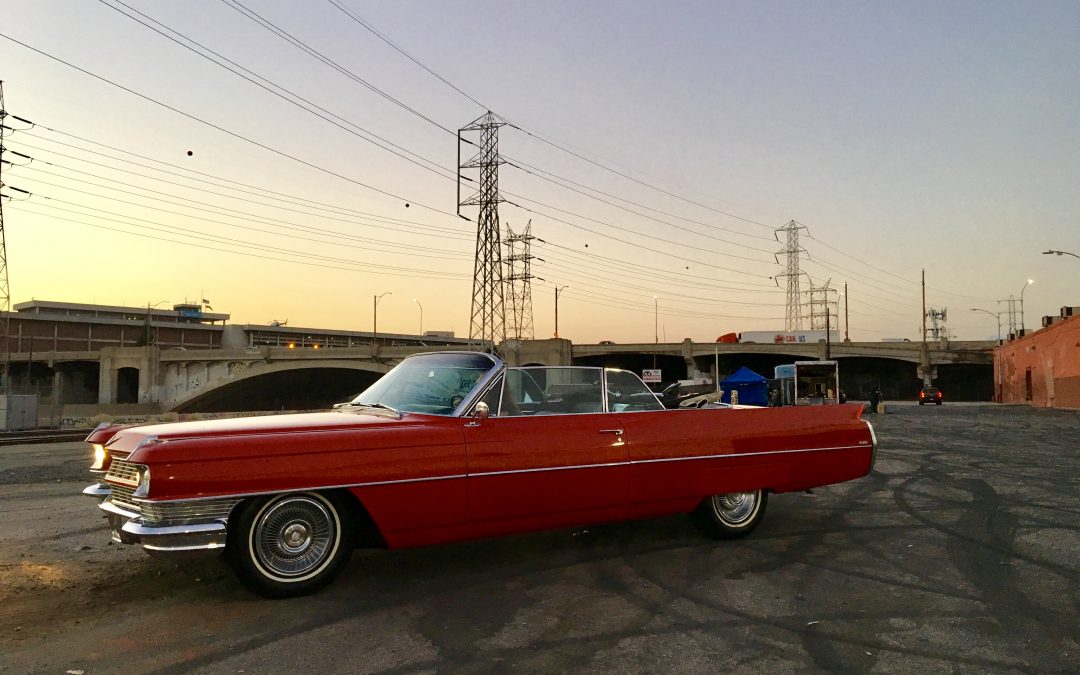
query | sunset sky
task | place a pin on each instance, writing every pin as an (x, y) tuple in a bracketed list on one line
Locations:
[(655, 147)]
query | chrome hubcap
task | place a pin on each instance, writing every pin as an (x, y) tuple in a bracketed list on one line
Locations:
[(735, 508), (294, 536)]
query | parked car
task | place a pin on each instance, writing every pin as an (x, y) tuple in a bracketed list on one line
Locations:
[(450, 446), (929, 394)]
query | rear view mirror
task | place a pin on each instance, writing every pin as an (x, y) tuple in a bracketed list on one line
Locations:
[(482, 411)]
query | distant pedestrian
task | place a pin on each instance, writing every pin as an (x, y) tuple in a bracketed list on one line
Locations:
[(875, 399)]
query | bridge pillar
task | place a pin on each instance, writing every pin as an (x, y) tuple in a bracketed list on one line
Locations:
[(692, 370), (550, 352)]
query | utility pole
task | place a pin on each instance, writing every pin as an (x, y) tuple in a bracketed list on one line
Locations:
[(924, 307), (519, 281), (828, 339), (792, 252), (558, 290), (925, 359), (488, 318), (847, 323), (5, 293)]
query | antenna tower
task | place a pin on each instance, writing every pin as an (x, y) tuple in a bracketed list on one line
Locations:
[(937, 329), (1012, 313), (519, 281), (792, 251), (488, 319)]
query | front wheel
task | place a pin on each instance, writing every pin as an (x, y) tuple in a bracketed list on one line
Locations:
[(733, 514), (288, 545)]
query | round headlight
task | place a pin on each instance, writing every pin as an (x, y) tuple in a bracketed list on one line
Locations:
[(100, 457), (143, 489)]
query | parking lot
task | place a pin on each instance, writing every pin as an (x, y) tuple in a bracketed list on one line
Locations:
[(960, 552)]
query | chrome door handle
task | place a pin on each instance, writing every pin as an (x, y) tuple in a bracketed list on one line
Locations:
[(617, 432)]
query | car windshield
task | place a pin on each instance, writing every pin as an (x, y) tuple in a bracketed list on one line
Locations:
[(428, 383)]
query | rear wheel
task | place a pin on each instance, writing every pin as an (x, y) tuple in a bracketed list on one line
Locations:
[(291, 544), (733, 514)]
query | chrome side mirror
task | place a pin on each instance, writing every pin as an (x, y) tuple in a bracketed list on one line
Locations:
[(482, 411)]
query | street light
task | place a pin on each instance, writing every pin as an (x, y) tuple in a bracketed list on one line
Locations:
[(997, 350), (1060, 253), (558, 290), (997, 317), (149, 308), (375, 315), (421, 316), (1029, 282)]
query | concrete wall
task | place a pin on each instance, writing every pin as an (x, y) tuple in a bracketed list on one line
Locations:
[(1042, 368), (550, 352)]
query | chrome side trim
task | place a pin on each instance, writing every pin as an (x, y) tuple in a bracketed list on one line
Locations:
[(503, 473), (342, 486), (546, 468), (746, 454)]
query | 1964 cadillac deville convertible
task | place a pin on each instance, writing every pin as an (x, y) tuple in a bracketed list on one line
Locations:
[(451, 446)]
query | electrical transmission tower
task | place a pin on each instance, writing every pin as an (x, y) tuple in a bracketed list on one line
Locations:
[(792, 251), (5, 293), (488, 318), (519, 281), (820, 306)]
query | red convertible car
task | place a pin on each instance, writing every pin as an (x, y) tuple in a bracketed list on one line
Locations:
[(456, 445)]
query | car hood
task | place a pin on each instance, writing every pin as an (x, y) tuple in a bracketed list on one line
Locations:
[(128, 439)]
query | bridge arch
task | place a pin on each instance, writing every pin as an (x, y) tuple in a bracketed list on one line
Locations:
[(280, 386)]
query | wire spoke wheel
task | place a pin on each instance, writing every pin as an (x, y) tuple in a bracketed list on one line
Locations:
[(294, 537)]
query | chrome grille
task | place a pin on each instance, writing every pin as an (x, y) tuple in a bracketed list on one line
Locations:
[(121, 496), (123, 471), (158, 513)]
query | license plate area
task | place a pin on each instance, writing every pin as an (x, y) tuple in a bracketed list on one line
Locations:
[(116, 524)]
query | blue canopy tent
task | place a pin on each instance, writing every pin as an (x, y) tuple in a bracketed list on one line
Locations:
[(753, 388)]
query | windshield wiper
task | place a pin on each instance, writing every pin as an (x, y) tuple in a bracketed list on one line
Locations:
[(377, 406)]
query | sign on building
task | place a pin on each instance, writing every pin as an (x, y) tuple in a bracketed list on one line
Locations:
[(650, 375)]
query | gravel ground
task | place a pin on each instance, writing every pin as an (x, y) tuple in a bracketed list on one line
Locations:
[(960, 552)]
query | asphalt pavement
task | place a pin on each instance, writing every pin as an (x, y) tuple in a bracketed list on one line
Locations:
[(960, 552)]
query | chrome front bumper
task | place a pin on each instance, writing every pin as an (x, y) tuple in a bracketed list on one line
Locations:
[(171, 541)]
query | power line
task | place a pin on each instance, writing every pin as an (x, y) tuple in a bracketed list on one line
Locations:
[(277, 90), (299, 44), (243, 215), (355, 266), (555, 178), (401, 51), (228, 132), (276, 195)]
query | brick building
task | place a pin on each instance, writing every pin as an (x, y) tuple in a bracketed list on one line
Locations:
[(1042, 368)]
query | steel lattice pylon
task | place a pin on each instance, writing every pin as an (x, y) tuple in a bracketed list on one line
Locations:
[(488, 318), (519, 281), (792, 252)]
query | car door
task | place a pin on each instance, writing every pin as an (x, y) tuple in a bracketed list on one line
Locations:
[(547, 456)]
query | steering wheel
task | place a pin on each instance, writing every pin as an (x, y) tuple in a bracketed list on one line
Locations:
[(456, 400)]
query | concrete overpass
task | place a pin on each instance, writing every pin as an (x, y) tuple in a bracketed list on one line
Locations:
[(286, 377)]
